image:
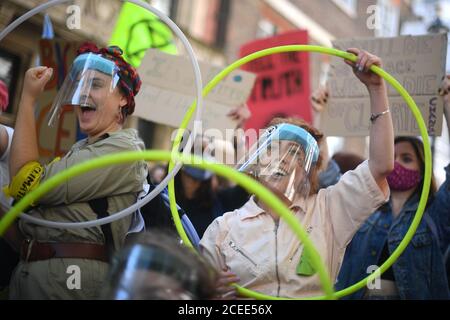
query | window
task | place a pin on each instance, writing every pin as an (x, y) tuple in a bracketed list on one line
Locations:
[(389, 16), (205, 20), (348, 6)]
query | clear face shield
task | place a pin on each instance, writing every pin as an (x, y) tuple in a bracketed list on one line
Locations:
[(91, 80), (282, 160), (143, 272)]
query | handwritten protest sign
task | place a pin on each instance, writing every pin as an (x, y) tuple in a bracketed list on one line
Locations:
[(168, 91), (282, 86), (55, 141), (418, 63)]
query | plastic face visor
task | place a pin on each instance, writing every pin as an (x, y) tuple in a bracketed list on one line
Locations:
[(90, 81), (150, 273), (282, 160)]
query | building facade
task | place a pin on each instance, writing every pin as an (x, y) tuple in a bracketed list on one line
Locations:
[(215, 28)]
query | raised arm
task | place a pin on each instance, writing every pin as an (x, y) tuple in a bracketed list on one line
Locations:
[(381, 149), (439, 210), (24, 147)]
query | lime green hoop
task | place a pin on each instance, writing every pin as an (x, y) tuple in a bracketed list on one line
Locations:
[(248, 183), (345, 55)]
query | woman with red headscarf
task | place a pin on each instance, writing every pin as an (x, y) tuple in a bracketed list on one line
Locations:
[(72, 263)]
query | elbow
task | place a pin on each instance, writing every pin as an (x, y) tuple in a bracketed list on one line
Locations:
[(381, 170), (386, 169)]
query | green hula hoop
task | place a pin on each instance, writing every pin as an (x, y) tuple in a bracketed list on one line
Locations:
[(345, 55), (248, 183)]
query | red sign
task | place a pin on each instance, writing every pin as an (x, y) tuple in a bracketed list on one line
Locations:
[(282, 85)]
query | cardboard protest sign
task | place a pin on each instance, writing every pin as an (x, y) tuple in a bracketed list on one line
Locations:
[(282, 86), (417, 62), (55, 141), (168, 91)]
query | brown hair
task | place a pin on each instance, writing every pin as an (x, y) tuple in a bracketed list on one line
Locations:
[(317, 135), (417, 145), (347, 160)]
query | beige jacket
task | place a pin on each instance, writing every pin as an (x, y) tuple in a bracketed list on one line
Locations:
[(47, 279), (265, 255), (68, 201)]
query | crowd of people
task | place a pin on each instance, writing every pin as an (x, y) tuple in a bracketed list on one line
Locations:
[(355, 210)]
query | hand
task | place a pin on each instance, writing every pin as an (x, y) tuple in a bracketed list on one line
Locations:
[(240, 114), (224, 290), (319, 98), (362, 66), (35, 81), (444, 90)]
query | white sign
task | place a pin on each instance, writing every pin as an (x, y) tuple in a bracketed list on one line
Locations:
[(168, 91), (418, 63)]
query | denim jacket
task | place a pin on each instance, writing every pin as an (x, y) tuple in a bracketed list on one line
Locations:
[(420, 271)]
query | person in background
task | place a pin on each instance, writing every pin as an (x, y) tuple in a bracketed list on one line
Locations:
[(157, 173), (419, 273), (197, 197), (341, 161), (444, 91), (197, 193), (347, 160), (8, 249)]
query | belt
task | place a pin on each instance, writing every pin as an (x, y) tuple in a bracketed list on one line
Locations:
[(32, 250)]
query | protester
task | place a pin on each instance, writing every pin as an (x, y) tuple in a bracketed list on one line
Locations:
[(7, 250), (101, 87), (254, 247), (423, 262), (419, 273), (157, 173), (444, 91), (196, 192), (197, 198)]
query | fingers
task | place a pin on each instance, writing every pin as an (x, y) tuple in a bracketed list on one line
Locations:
[(361, 65), (45, 75), (444, 89), (234, 115), (355, 51), (320, 96), (240, 113), (39, 72), (364, 60), (223, 285), (233, 111), (227, 277)]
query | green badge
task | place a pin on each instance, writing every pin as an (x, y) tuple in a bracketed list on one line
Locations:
[(305, 267)]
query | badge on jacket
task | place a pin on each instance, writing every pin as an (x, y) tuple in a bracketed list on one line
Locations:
[(305, 267)]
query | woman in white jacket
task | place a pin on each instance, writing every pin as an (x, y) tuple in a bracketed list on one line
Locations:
[(253, 247)]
